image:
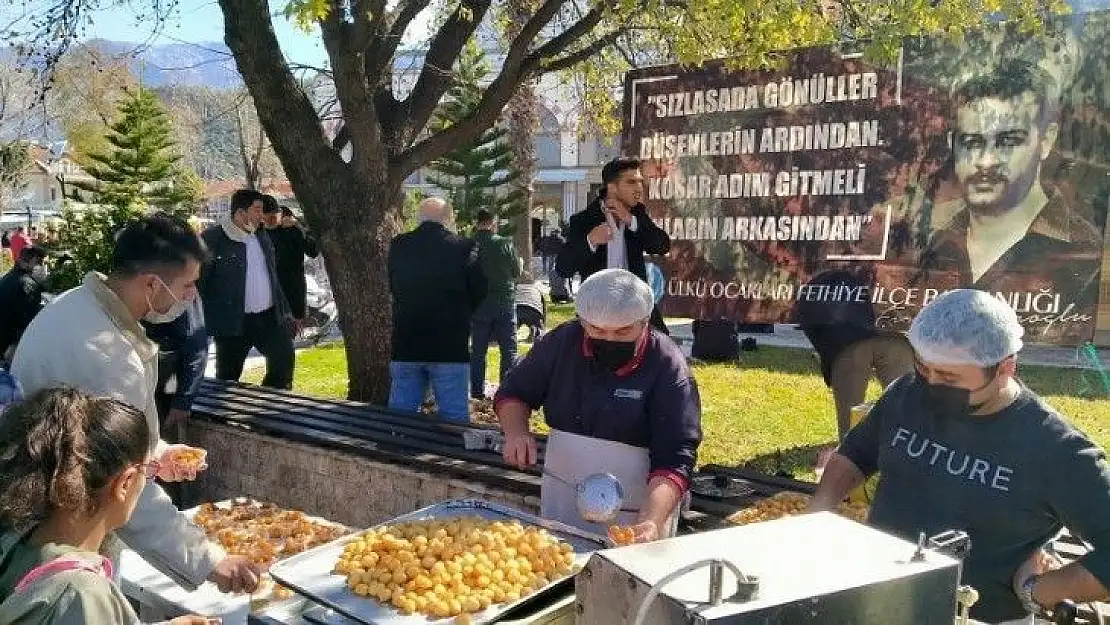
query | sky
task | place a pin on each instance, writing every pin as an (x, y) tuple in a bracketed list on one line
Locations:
[(199, 21)]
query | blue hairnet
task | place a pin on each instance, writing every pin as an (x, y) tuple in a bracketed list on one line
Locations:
[(966, 327)]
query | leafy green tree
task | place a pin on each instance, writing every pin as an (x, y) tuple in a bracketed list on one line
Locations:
[(141, 166), (479, 174)]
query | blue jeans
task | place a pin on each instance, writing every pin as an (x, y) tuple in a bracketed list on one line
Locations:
[(409, 385), (486, 325)]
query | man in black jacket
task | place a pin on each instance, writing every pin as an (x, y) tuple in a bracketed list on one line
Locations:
[(436, 281), (291, 245), (849, 345), (21, 296), (182, 357), (614, 231), (244, 306)]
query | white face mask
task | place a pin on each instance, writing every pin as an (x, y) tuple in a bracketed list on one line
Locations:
[(175, 311), (40, 273)]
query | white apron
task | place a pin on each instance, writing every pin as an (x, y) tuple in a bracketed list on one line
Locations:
[(572, 458)]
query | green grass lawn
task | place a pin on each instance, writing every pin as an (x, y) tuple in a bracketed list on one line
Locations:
[(773, 412)]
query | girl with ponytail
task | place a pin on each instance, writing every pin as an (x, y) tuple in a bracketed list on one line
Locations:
[(71, 470)]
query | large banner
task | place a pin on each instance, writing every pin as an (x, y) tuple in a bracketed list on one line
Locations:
[(831, 183)]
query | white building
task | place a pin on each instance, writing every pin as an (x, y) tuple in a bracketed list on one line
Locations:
[(50, 177)]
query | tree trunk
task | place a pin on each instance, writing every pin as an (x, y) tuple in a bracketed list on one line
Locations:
[(523, 113), (355, 247), (523, 119)]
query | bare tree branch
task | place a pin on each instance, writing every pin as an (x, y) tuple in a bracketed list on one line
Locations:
[(283, 107), (302, 67), (435, 76), (351, 88), (573, 33), (517, 67), (250, 166), (574, 58), (379, 56), (531, 29)]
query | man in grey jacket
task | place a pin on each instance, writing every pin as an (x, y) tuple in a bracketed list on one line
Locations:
[(244, 305), (90, 338)]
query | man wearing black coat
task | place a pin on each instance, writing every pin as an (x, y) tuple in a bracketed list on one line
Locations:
[(291, 245), (614, 231), (244, 306), (21, 296), (436, 280), (182, 358)]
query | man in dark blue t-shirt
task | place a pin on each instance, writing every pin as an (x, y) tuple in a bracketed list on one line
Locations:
[(964, 445)]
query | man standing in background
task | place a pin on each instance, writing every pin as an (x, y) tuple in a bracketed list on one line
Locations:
[(291, 245), (244, 306), (436, 281), (182, 357), (21, 296), (19, 240), (614, 231), (495, 317), (850, 348)]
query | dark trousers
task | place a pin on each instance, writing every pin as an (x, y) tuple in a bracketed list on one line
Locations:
[(273, 339), (497, 324)]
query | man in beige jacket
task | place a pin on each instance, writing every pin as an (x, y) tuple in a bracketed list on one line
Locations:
[(90, 338)]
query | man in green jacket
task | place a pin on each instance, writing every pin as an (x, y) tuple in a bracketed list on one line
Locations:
[(495, 318)]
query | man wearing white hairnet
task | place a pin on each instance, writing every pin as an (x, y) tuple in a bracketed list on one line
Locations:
[(964, 445), (619, 399)]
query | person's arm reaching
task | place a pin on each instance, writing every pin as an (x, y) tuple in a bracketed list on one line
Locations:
[(523, 390), (840, 477), (855, 460), (1078, 489), (674, 415), (168, 541)]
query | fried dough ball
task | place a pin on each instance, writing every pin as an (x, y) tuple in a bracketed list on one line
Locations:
[(791, 504), (452, 568)]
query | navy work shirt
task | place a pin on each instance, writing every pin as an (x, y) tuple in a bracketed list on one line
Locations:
[(652, 402)]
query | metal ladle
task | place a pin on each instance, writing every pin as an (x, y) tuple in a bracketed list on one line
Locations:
[(600, 497)]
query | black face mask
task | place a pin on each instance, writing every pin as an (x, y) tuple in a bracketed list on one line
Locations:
[(612, 355), (951, 400)]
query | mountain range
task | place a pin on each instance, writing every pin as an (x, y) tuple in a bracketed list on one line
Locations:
[(208, 64)]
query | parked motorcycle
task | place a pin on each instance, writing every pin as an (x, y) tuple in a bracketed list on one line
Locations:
[(321, 315)]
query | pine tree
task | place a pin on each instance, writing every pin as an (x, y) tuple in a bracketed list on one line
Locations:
[(141, 167), (139, 172), (478, 175)]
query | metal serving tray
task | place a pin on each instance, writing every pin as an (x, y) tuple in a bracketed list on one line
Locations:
[(263, 598), (310, 573)]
